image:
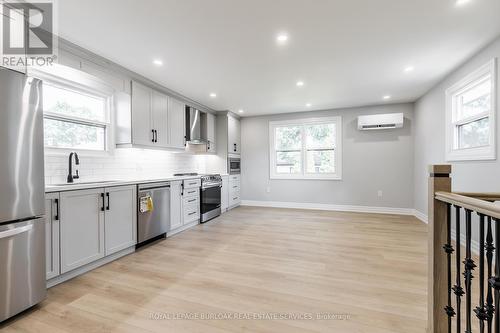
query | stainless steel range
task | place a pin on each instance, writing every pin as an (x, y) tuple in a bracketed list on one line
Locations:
[(210, 202)]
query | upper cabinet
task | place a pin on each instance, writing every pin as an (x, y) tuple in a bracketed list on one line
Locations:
[(233, 135), (160, 118), (177, 121), (156, 120), (211, 139), (142, 122)]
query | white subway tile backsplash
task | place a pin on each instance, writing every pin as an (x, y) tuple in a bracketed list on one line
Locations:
[(124, 163)]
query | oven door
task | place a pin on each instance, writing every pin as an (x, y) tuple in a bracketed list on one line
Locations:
[(210, 202)]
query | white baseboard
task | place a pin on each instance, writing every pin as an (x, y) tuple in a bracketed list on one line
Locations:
[(421, 216), (340, 208)]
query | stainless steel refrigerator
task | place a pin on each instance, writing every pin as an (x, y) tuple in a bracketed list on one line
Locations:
[(22, 225)]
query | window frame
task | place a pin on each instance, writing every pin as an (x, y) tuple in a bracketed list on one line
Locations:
[(304, 175), (487, 152), (80, 82)]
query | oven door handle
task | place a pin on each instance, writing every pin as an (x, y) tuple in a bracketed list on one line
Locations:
[(212, 186)]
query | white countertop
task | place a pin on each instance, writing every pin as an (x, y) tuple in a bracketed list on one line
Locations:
[(80, 184)]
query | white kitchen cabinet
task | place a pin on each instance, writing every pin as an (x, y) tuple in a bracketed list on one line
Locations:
[(157, 120), (52, 235), (184, 203), (120, 218), (234, 191), (81, 228), (152, 123), (142, 123), (176, 205), (234, 135), (177, 124), (211, 136), (191, 201), (224, 194), (160, 118)]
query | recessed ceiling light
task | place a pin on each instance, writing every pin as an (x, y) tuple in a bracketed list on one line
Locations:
[(282, 38), (241, 111), (386, 97), (409, 69), (157, 62), (300, 83), (213, 95), (308, 105), (460, 3)]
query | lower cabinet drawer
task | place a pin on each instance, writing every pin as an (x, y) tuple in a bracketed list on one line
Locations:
[(191, 201), (234, 199), (192, 192), (234, 187), (192, 183), (191, 212)]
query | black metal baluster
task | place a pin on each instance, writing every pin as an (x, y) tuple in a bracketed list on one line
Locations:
[(495, 281), (448, 248), (481, 308), (457, 288), (490, 309), (468, 268)]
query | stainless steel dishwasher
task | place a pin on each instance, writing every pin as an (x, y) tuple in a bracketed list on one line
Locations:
[(153, 220)]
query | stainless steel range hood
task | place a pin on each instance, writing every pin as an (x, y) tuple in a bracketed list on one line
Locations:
[(194, 135)]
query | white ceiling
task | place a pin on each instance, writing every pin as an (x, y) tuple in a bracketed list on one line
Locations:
[(348, 52)]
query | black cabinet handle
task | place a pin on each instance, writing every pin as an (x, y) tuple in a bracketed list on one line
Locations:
[(153, 131), (107, 195), (102, 197), (235, 147), (208, 145), (56, 201), (156, 136)]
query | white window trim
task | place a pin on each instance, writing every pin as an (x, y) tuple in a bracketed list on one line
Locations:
[(306, 176), (69, 78), (477, 153)]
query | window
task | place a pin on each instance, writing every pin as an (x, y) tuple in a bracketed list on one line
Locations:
[(306, 148), (470, 116), (75, 117)]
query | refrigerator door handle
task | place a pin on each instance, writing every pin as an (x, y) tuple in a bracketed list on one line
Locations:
[(56, 218), (16, 231)]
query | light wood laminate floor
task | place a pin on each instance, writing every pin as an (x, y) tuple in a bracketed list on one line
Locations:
[(366, 271)]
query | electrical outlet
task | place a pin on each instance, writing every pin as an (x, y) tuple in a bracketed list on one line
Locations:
[(268, 189), (380, 193)]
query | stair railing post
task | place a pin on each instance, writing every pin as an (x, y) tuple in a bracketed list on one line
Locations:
[(439, 180)]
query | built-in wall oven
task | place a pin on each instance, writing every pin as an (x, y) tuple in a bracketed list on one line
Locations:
[(210, 202), (234, 165)]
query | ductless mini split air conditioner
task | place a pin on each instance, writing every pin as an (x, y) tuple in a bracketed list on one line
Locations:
[(380, 121)]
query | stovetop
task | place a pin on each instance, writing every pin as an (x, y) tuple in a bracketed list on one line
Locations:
[(211, 178)]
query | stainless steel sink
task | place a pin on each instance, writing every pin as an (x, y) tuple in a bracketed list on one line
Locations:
[(83, 183)]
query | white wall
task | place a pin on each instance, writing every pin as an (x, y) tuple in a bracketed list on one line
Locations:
[(471, 176), (372, 161)]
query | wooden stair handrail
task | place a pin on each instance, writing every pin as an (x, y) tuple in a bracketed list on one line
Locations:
[(473, 204), (483, 196)]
